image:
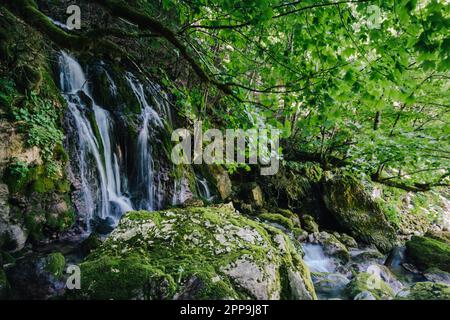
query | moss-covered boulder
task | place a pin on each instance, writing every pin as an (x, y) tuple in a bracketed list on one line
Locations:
[(332, 246), (309, 224), (278, 220), (428, 253), (195, 253), (55, 263), (355, 212), (366, 282), (426, 291)]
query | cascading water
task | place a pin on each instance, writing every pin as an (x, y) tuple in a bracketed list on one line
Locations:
[(204, 189), (316, 260), (107, 201), (100, 162)]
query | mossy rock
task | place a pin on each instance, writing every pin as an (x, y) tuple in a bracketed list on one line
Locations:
[(55, 263), (309, 224), (372, 283), (426, 291), (443, 236), (356, 213), (428, 253), (277, 219), (437, 275), (195, 253)]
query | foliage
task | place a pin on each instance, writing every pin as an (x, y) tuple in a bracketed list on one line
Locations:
[(6, 92), (364, 81), (38, 117)]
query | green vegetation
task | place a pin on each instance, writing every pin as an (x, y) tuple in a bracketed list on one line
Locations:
[(429, 291), (359, 91), (371, 283), (278, 219), (55, 263), (39, 119), (158, 254), (427, 253)]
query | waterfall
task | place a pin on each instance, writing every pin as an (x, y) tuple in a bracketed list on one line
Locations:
[(316, 260), (99, 156), (204, 189), (150, 199)]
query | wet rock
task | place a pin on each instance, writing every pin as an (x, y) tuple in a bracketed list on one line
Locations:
[(104, 226), (437, 276), (348, 241), (191, 288), (369, 282), (333, 247), (411, 268), (388, 277), (31, 277), (16, 237), (364, 295), (329, 285)]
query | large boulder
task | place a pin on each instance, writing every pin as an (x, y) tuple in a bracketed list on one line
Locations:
[(365, 282), (195, 253), (37, 277), (355, 212), (429, 253)]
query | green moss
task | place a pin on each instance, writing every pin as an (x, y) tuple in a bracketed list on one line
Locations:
[(17, 176), (60, 154), (440, 236), (63, 186), (372, 283), (188, 249), (309, 224), (429, 291), (278, 219), (55, 263), (34, 222), (43, 185), (297, 232), (60, 222), (428, 253), (287, 213), (112, 277)]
